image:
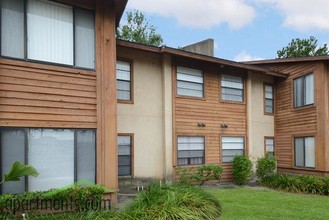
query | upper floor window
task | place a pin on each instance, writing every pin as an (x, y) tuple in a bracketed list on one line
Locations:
[(47, 31), (231, 147), (269, 99), (189, 82), (123, 81), (304, 90), (305, 152), (232, 88), (190, 150)]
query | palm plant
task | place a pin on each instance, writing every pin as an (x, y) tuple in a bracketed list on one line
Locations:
[(18, 170)]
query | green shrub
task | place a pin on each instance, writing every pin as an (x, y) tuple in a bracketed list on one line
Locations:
[(298, 184), (265, 167), (177, 201), (75, 195), (207, 173), (204, 173), (242, 169)]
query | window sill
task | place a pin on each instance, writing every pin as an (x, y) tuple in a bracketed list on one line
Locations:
[(305, 168), (233, 102), (46, 66), (195, 165), (125, 101), (305, 107), (191, 98)]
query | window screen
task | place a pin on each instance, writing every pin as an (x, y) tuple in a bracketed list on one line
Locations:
[(189, 82), (123, 81), (231, 147), (232, 88), (190, 150)]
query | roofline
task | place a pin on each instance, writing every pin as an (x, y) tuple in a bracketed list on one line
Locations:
[(200, 57), (289, 60), (120, 6)]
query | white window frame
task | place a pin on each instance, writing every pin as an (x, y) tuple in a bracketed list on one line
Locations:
[(232, 143), (190, 82)]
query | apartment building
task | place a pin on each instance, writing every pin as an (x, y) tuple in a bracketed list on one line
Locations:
[(301, 114), (182, 109)]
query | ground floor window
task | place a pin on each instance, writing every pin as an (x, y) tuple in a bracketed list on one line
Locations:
[(269, 146), (305, 152), (190, 150), (231, 147), (61, 156), (125, 155)]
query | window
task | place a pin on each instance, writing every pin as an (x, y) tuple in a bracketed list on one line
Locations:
[(123, 81), (304, 91), (232, 88), (269, 147), (125, 155), (190, 150), (189, 82), (305, 152), (48, 31), (269, 99), (231, 147), (61, 156)]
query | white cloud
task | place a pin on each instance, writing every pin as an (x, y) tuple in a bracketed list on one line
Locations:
[(302, 15), (200, 13), (244, 56)]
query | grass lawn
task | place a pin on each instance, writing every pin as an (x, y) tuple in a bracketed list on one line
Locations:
[(246, 203)]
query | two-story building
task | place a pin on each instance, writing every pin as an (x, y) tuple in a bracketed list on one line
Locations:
[(58, 91)]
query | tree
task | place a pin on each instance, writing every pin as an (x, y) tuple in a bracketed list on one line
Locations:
[(303, 48), (139, 30)]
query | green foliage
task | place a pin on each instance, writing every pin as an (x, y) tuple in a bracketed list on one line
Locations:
[(76, 195), (204, 173), (18, 170), (303, 48), (265, 167), (172, 202), (139, 30), (298, 184), (242, 169)]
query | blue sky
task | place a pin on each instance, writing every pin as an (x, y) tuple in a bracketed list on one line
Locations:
[(242, 29)]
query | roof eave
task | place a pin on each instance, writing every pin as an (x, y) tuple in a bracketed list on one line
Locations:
[(182, 53)]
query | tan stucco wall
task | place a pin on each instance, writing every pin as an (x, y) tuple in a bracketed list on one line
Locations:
[(259, 124), (149, 118)]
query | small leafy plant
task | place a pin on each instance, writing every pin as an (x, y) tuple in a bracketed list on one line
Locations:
[(242, 169), (203, 174), (18, 170)]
